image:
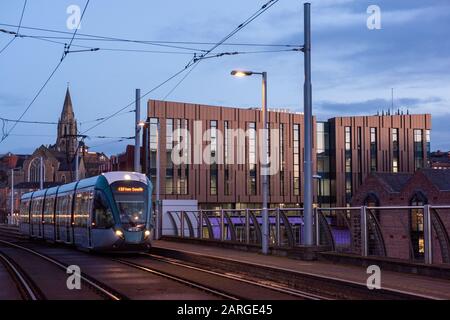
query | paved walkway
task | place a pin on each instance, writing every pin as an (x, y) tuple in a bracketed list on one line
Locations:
[(422, 285)]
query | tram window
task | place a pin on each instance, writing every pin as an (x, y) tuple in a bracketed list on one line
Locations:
[(24, 217), (102, 211), (48, 210), (78, 210), (81, 211)]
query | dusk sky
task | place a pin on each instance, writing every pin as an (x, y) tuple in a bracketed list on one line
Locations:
[(354, 68)]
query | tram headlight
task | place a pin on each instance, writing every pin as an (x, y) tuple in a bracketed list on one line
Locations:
[(119, 233), (147, 234)]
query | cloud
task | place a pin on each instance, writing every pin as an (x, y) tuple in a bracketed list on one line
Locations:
[(10, 101)]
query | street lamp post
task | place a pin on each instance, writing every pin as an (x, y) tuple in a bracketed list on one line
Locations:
[(307, 96), (137, 141), (265, 162), (158, 216)]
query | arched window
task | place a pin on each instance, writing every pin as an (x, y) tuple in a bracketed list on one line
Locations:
[(372, 201), (63, 179), (416, 225), (34, 170), (375, 237)]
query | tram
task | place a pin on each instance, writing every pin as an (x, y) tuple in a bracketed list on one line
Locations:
[(109, 212)]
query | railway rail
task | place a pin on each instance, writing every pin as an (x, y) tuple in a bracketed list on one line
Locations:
[(259, 283), (213, 276), (26, 288), (235, 288), (23, 278)]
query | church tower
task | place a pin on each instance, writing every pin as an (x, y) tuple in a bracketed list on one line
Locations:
[(67, 128)]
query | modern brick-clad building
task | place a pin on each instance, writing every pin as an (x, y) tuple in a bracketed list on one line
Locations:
[(346, 151), (364, 144), (227, 185)]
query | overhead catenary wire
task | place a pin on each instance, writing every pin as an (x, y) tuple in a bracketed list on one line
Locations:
[(18, 27), (53, 122), (133, 102), (4, 136), (196, 60), (90, 48), (90, 37), (106, 143), (193, 62), (105, 38)]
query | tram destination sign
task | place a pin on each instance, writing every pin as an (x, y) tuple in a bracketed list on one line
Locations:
[(129, 189)]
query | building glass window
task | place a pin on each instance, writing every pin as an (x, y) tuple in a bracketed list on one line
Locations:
[(183, 169), (348, 164), (153, 144), (213, 166), (227, 155), (395, 151), (34, 173), (418, 149), (359, 149), (323, 162), (251, 180), (169, 163), (373, 150), (416, 226), (296, 160)]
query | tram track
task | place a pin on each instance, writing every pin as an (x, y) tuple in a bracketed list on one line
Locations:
[(181, 280), (256, 282), (322, 286), (210, 281), (114, 281), (25, 286), (214, 276), (94, 285)]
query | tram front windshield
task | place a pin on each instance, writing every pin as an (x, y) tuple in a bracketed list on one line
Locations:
[(132, 204)]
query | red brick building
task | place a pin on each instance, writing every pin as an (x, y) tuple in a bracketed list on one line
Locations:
[(400, 233), (440, 160)]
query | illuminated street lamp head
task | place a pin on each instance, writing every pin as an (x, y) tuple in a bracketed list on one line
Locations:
[(240, 73), (141, 123)]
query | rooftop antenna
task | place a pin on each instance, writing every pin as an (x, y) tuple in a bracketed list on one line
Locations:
[(392, 100)]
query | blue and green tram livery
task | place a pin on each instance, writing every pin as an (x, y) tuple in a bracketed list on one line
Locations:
[(109, 212)]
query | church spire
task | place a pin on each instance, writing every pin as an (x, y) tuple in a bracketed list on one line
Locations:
[(67, 141), (67, 111)]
